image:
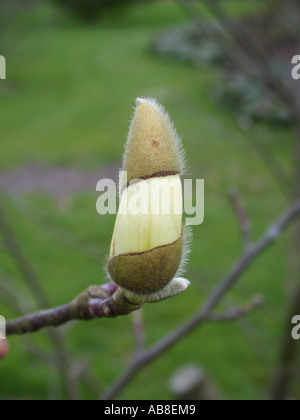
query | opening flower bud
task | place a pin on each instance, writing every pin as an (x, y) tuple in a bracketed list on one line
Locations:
[(148, 243), (150, 215)]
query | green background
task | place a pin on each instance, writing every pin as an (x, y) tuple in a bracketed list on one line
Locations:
[(67, 101)]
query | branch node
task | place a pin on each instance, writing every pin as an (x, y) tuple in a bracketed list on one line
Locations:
[(120, 301)]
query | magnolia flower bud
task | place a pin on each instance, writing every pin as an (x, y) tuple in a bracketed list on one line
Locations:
[(148, 243)]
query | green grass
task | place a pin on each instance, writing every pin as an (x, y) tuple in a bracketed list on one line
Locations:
[(68, 100)]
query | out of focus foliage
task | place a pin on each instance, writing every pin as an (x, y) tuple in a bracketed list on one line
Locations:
[(91, 9), (253, 52)]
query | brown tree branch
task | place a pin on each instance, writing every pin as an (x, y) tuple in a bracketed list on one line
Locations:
[(242, 217), (94, 303), (247, 56), (107, 301), (205, 312), (15, 298), (285, 373), (34, 283), (21, 260), (289, 353), (237, 313), (139, 330)]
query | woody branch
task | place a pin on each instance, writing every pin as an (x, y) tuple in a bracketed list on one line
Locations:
[(108, 302), (204, 314)]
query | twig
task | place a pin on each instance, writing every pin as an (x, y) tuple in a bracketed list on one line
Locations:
[(139, 331), (8, 293), (94, 303), (237, 313), (35, 285), (289, 353), (21, 260), (205, 311), (18, 301), (285, 372), (107, 301), (242, 217), (104, 301), (246, 57), (30, 347), (91, 381)]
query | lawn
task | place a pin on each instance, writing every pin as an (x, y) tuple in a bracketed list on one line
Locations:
[(67, 101)]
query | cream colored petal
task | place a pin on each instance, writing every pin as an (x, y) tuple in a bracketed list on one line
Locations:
[(150, 215)]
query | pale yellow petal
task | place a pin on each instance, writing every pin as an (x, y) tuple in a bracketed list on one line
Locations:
[(150, 215)]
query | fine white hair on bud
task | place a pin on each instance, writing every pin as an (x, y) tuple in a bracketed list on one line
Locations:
[(174, 288), (152, 136), (187, 236), (149, 245)]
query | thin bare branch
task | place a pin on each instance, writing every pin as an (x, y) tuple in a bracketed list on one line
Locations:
[(242, 217), (98, 302), (205, 312), (8, 293), (94, 303), (249, 55), (35, 285), (22, 261), (286, 373), (237, 313), (289, 353), (139, 330)]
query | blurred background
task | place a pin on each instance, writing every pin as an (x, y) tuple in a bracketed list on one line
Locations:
[(74, 68)]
